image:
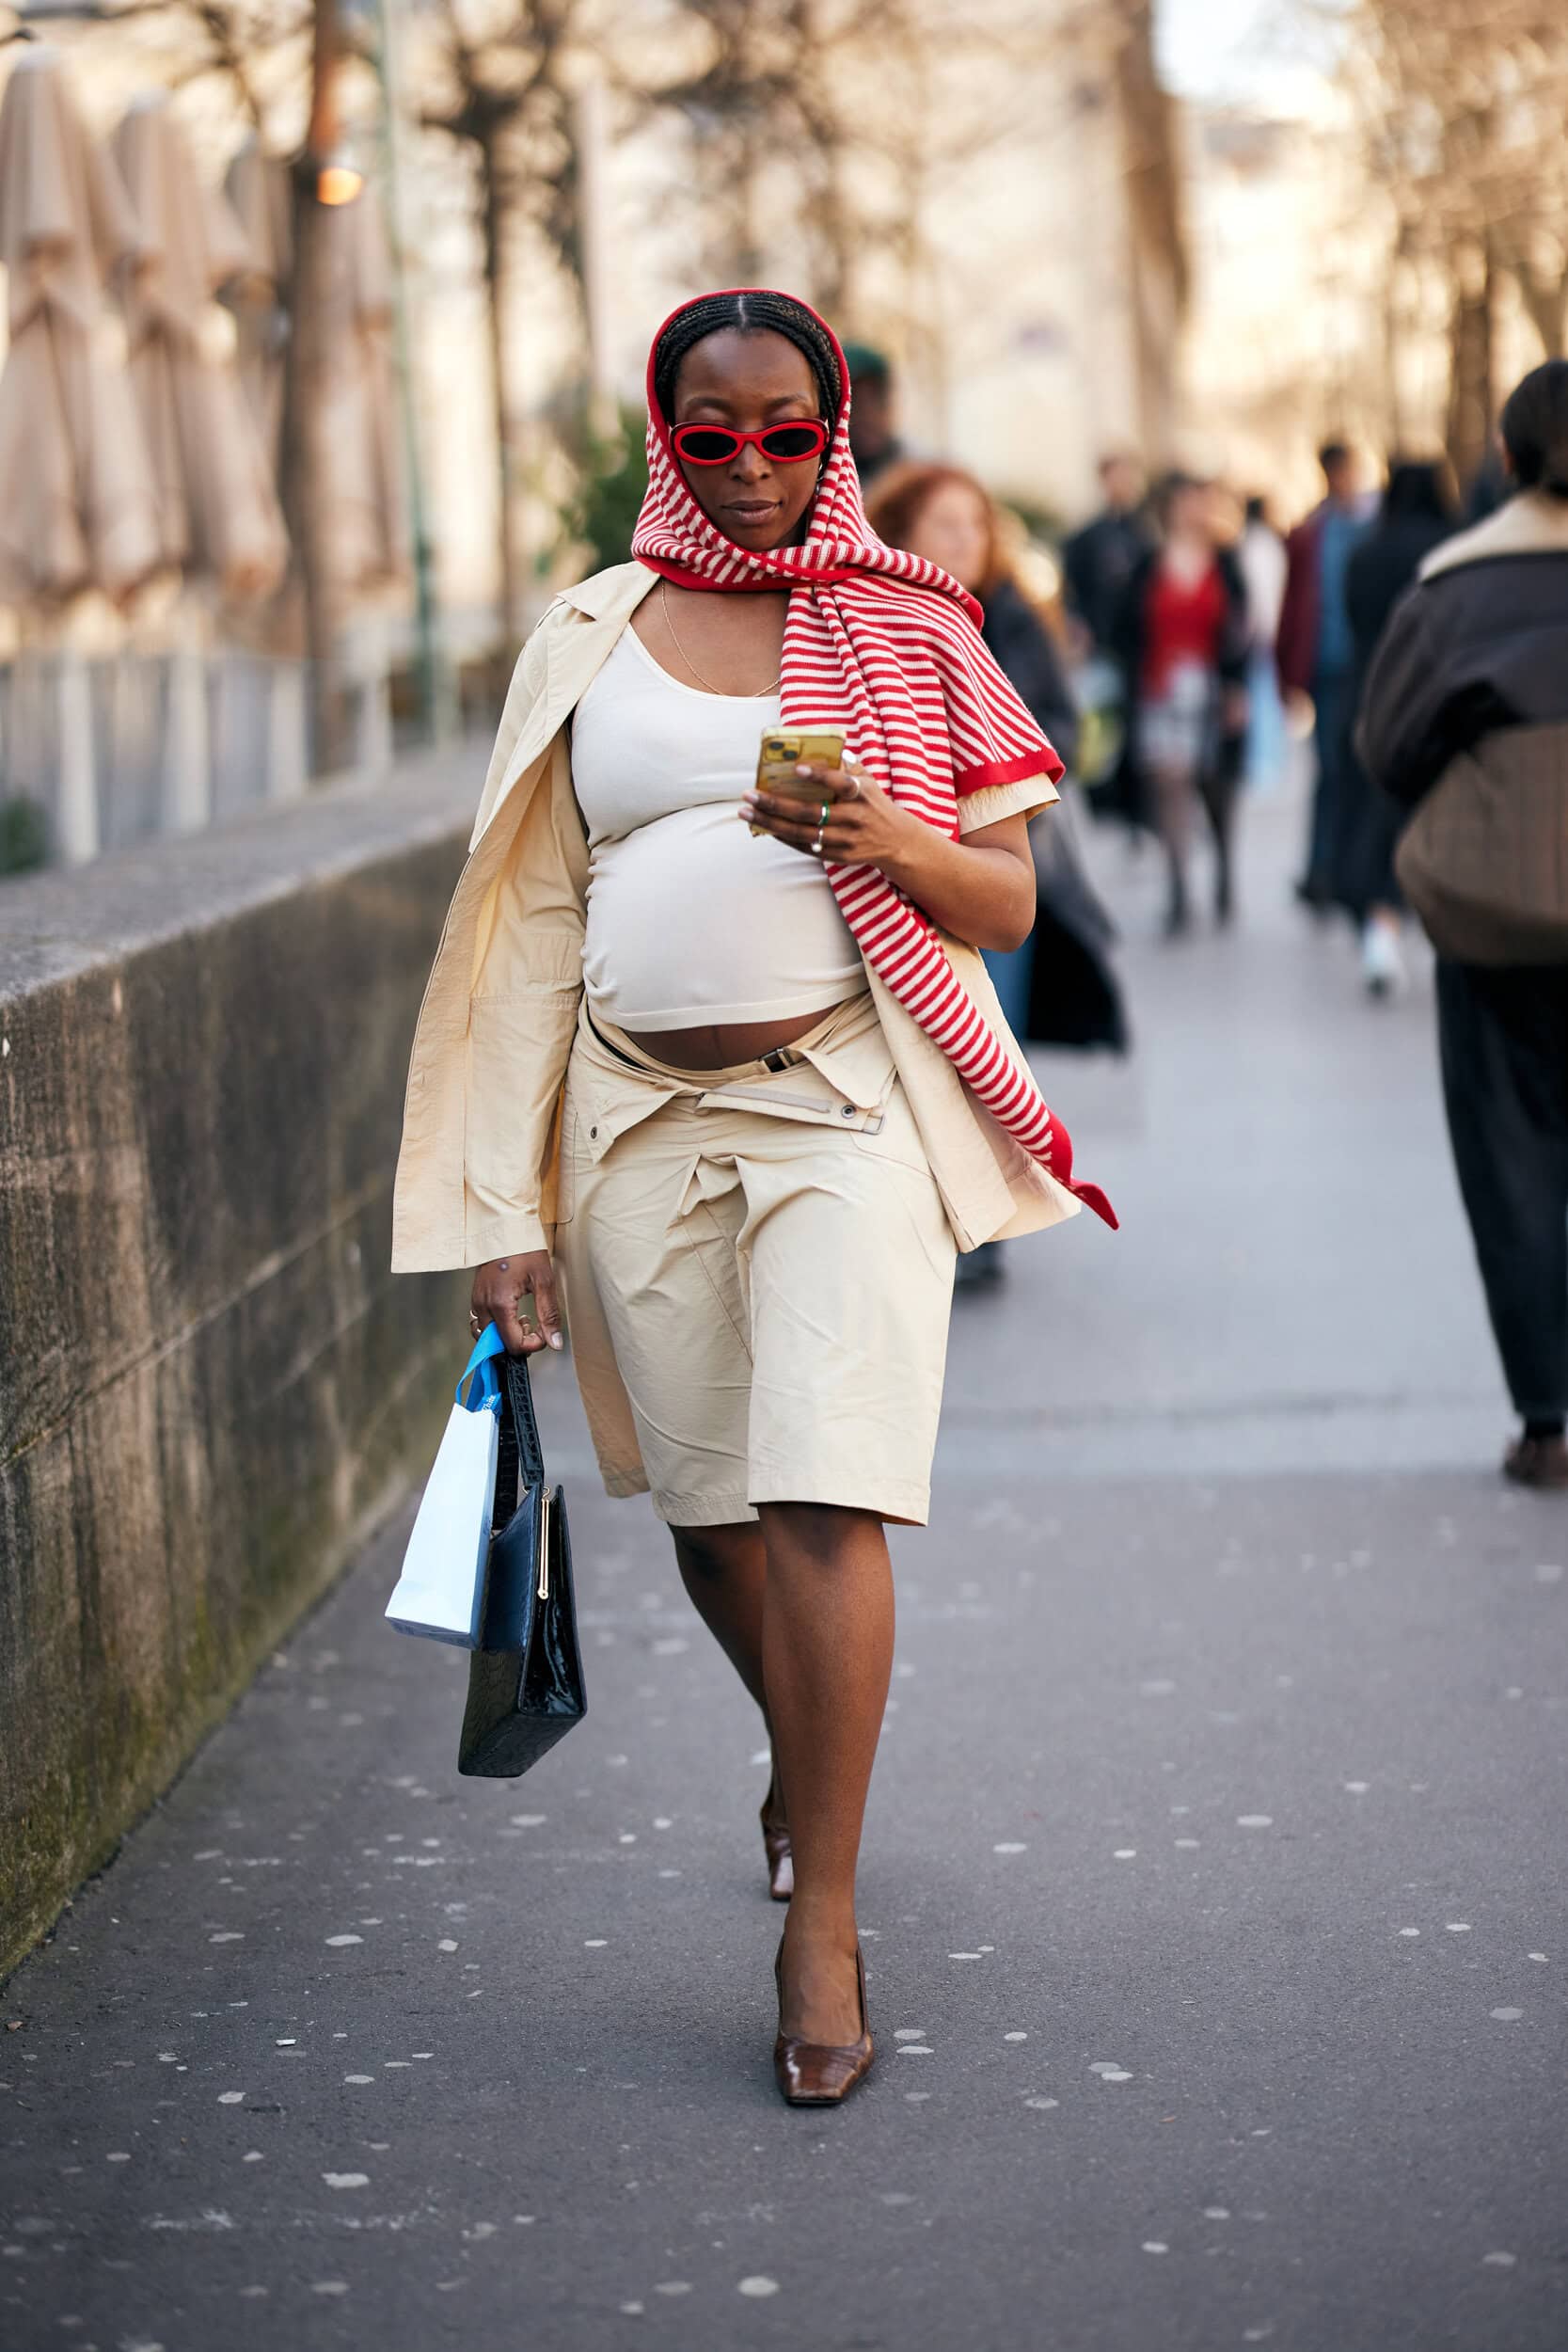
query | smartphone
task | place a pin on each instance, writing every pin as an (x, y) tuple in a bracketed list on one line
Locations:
[(781, 751)]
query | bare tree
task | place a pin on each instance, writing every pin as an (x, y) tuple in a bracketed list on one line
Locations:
[(1156, 223), (307, 446), (838, 126), (1461, 108), (508, 102), (232, 36), (738, 97)]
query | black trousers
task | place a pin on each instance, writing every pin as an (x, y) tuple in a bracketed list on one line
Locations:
[(1504, 1041)]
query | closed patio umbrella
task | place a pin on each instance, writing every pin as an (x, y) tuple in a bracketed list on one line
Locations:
[(369, 527), (77, 508), (369, 530), (218, 513), (257, 189), (365, 516)]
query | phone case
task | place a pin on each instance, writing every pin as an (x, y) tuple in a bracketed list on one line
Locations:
[(783, 749)]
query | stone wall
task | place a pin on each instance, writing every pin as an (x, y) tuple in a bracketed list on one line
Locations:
[(210, 1388)]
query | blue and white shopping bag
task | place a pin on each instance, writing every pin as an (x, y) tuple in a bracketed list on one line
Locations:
[(442, 1584)]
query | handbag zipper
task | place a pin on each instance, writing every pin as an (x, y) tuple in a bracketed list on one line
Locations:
[(544, 1543)]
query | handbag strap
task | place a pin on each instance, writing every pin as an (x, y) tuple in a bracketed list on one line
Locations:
[(531, 1452), (520, 1458)]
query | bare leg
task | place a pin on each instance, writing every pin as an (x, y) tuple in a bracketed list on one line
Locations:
[(724, 1570), (827, 1658)]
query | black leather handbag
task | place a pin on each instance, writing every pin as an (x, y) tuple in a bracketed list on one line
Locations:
[(525, 1680)]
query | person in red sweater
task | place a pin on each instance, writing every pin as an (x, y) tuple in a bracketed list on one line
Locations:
[(1183, 644)]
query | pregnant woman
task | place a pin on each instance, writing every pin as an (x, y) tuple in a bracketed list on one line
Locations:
[(721, 1070)]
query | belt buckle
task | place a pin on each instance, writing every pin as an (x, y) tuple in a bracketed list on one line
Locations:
[(779, 1059)]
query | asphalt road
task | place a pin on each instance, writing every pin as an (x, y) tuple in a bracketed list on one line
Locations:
[(1213, 1884)]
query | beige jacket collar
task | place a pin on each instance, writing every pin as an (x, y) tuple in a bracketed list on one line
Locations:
[(610, 594), (1531, 523), (577, 635)]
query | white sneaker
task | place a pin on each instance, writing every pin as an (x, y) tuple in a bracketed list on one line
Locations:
[(1382, 960)]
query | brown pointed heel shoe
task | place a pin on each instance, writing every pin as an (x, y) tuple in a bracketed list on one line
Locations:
[(821, 2074), (781, 1857)]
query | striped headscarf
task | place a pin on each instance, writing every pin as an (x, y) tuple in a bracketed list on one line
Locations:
[(887, 646)]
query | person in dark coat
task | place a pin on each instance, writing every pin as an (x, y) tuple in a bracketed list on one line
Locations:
[(1067, 992), (1418, 512), (1060, 988), (874, 442), (1099, 558), (1181, 639), (1315, 656), (1478, 647)]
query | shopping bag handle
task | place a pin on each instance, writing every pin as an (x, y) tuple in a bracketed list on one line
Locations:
[(484, 1373)]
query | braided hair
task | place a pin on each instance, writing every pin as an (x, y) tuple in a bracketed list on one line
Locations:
[(748, 314)]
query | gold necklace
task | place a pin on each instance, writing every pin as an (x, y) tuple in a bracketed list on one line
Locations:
[(707, 683)]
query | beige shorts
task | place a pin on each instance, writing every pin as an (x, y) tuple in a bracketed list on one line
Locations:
[(758, 1274)]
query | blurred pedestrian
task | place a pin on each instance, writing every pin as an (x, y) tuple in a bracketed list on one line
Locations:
[(1474, 664), (1317, 653), (1181, 639), (943, 513), (1059, 987), (874, 439), (1099, 559), (1416, 512), (689, 1039), (1261, 556)]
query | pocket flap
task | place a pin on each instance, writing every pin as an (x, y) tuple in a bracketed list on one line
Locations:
[(605, 1108)]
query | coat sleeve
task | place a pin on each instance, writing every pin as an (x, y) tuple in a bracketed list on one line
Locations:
[(1295, 645), (528, 684), (522, 1018), (1077, 566), (1027, 652), (1402, 739), (1130, 623), (1236, 631)]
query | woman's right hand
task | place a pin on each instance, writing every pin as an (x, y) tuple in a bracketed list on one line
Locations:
[(501, 1285)]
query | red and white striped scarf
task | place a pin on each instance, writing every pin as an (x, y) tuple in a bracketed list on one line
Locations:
[(886, 645)]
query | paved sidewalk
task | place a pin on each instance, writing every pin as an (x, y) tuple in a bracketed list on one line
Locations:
[(1213, 1892)]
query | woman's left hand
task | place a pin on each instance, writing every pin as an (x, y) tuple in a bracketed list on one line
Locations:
[(848, 819)]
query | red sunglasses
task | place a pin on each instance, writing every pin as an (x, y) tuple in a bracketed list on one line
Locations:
[(718, 445)]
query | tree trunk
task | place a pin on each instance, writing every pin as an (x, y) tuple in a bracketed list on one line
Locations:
[(748, 246), (1470, 360), (831, 218), (507, 547), (1544, 296), (1156, 236), (307, 455), (1393, 352)]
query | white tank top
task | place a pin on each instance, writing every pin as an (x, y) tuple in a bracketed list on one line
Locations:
[(692, 919)]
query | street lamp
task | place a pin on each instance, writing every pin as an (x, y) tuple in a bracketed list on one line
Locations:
[(338, 178)]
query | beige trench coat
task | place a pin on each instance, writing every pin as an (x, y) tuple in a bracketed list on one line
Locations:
[(477, 1173)]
